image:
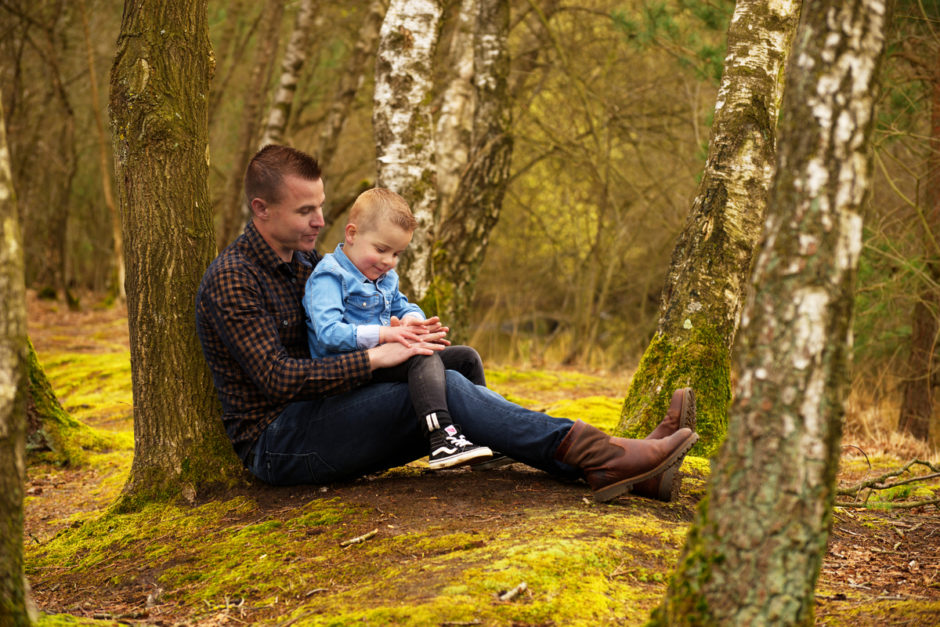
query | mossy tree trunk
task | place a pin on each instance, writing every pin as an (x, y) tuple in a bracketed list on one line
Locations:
[(474, 207), (159, 91), (753, 554), (13, 593), (403, 125), (705, 286)]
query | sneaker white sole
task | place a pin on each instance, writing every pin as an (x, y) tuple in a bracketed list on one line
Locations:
[(460, 458)]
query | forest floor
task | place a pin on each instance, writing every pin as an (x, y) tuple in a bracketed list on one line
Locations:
[(505, 547)]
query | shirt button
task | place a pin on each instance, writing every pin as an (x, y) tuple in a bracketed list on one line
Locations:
[(284, 323)]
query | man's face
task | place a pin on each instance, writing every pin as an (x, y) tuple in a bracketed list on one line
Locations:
[(294, 222)]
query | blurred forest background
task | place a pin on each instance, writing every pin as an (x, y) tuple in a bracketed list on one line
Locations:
[(610, 106)]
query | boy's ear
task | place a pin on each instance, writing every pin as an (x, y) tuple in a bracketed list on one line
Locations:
[(351, 231)]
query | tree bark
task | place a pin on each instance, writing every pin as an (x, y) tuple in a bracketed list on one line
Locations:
[(705, 286), (13, 591), (159, 91), (917, 401), (753, 554), (295, 55), (353, 76), (475, 204), (104, 159), (232, 208), (403, 125)]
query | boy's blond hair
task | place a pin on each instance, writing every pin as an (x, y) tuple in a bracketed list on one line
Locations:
[(375, 204)]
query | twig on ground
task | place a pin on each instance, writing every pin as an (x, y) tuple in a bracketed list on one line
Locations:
[(359, 539)]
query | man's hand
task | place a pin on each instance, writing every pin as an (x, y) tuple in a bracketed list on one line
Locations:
[(393, 353)]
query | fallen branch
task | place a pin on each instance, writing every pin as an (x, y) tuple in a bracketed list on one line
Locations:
[(881, 483), (359, 539), (892, 505)]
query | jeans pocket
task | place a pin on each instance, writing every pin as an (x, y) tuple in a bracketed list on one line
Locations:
[(295, 469)]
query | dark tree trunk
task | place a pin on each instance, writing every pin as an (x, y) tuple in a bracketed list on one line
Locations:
[(159, 91)]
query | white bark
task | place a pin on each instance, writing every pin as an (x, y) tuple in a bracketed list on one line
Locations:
[(295, 55), (455, 123), (403, 124)]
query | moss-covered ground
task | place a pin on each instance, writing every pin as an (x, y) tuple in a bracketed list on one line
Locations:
[(407, 547)]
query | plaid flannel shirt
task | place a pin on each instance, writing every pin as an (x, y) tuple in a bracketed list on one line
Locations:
[(251, 323)]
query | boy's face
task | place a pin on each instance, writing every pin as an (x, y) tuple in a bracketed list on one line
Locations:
[(375, 251)]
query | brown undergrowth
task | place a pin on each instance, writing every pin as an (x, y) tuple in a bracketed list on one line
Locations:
[(507, 547)]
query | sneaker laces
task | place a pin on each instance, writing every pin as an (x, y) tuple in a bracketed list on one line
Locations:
[(459, 441)]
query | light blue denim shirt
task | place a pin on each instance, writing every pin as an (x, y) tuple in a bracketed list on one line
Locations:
[(345, 310)]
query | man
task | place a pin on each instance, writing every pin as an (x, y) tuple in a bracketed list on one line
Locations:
[(296, 420)]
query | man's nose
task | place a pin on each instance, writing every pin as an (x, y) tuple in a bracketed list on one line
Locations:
[(316, 218)]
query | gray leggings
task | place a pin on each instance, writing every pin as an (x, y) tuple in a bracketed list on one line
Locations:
[(425, 377)]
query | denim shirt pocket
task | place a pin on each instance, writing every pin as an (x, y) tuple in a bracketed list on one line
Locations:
[(365, 309)]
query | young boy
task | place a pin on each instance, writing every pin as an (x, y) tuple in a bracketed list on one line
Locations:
[(351, 299)]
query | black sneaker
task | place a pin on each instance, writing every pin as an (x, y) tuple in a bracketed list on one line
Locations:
[(450, 448)]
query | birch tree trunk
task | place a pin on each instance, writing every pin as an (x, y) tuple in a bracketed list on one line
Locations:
[(454, 129), (232, 208), (13, 591), (159, 91), (354, 74), (118, 276), (295, 55), (403, 125), (705, 286), (754, 552), (474, 205)]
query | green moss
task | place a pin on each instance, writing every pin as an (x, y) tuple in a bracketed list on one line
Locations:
[(56, 436), (699, 361), (601, 411)]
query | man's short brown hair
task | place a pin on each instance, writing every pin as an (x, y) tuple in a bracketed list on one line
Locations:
[(264, 176), (374, 204)]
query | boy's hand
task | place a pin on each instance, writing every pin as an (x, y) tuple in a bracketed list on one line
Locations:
[(405, 335), (430, 330)]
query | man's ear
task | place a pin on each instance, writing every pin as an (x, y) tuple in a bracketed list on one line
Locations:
[(259, 208), (351, 231)]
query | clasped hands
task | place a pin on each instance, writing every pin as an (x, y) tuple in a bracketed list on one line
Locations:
[(403, 339)]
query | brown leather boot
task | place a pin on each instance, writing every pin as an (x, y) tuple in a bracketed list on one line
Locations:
[(612, 465), (681, 413)]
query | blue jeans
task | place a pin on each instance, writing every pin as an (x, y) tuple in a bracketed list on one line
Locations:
[(374, 428)]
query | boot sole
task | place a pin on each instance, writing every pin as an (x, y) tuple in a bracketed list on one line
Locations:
[(671, 483), (670, 464), (688, 416)]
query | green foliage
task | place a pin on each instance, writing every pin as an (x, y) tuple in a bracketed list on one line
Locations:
[(678, 27)]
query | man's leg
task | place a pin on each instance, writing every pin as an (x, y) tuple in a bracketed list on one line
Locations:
[(366, 430), (527, 436)]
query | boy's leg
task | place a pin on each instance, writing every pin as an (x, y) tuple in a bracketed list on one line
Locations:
[(427, 384), (464, 360)]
